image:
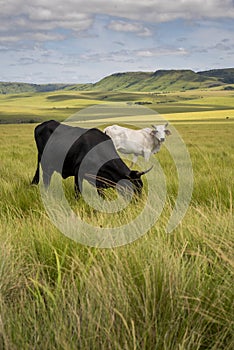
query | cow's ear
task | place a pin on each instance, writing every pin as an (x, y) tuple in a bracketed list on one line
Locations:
[(133, 175), (153, 132), (167, 132)]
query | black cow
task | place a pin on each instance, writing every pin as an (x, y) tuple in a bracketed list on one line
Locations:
[(83, 153)]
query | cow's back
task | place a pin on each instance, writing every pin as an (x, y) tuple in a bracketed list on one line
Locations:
[(93, 144), (128, 140), (120, 135), (60, 146)]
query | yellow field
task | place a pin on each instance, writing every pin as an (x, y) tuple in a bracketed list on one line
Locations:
[(191, 117)]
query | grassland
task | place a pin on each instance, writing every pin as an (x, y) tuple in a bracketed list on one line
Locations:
[(164, 291), (37, 107)]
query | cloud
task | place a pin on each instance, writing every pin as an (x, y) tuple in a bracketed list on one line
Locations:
[(64, 40), (211, 38), (38, 37), (130, 56), (41, 21), (161, 52), (18, 17), (113, 56), (130, 27)]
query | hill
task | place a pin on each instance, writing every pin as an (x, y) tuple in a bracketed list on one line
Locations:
[(122, 81), (15, 87), (224, 75), (164, 80), (160, 80)]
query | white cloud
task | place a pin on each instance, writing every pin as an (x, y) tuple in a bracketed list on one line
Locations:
[(38, 37), (161, 52), (132, 27), (37, 20), (18, 16), (132, 55), (145, 32)]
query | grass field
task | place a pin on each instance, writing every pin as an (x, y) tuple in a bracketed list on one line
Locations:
[(36, 107), (164, 291)]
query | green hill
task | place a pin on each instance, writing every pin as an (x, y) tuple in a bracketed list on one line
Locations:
[(14, 88), (160, 80), (174, 80), (122, 81), (224, 75)]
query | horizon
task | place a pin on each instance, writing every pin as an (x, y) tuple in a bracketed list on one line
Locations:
[(75, 43)]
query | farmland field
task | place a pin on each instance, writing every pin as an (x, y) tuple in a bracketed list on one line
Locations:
[(164, 291), (31, 107)]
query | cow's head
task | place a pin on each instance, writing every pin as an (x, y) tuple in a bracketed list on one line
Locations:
[(160, 132), (135, 178), (124, 183)]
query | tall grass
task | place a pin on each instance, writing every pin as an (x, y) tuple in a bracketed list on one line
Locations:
[(164, 291)]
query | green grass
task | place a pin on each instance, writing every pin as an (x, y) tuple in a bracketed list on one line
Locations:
[(164, 291)]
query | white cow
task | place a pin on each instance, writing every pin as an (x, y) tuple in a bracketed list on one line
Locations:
[(143, 142)]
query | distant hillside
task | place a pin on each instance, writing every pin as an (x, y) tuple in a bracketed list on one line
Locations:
[(160, 80), (164, 80), (14, 88), (122, 81), (224, 75)]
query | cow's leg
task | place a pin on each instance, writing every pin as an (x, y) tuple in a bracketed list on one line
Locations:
[(147, 155), (78, 187), (35, 179), (134, 160), (47, 173)]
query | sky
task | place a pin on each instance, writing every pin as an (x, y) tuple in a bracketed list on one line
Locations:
[(74, 41)]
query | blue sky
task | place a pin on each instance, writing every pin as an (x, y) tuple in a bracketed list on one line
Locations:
[(77, 41)]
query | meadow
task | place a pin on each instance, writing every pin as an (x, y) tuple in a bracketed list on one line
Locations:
[(163, 291), (37, 107)]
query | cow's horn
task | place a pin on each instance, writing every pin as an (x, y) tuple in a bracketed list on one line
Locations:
[(166, 125), (154, 126), (140, 173)]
